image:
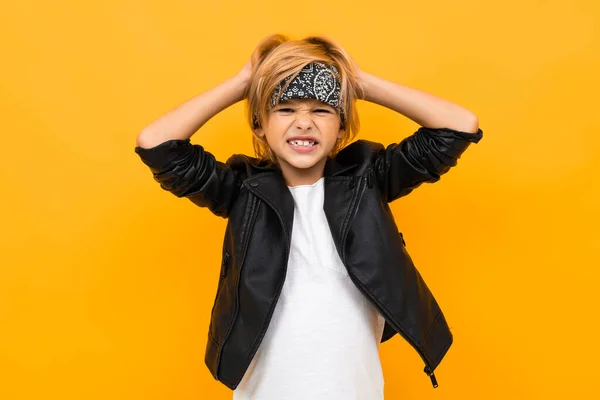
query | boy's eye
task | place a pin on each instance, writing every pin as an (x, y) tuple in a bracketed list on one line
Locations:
[(320, 110)]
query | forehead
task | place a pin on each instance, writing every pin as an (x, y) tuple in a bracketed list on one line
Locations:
[(305, 102)]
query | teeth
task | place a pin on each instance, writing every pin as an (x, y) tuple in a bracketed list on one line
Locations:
[(301, 143)]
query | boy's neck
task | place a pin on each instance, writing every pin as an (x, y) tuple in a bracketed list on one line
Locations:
[(307, 176)]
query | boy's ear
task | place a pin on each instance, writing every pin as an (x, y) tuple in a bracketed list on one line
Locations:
[(256, 128)]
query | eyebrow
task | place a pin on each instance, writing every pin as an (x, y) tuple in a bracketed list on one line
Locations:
[(311, 104)]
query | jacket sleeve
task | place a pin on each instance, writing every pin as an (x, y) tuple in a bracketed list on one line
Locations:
[(187, 170), (422, 157)]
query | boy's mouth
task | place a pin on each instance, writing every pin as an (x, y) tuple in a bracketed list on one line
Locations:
[(302, 146), (302, 143)]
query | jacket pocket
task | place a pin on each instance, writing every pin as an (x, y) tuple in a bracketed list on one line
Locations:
[(222, 275), (224, 265)]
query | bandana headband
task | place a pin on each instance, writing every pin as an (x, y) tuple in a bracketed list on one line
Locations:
[(315, 81)]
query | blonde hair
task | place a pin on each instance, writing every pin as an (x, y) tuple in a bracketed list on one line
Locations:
[(277, 57)]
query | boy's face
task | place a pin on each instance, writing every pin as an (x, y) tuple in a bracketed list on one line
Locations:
[(298, 118)]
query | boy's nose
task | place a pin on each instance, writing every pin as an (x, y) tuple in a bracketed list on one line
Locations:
[(303, 120)]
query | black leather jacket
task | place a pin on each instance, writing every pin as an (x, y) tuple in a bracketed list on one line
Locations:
[(359, 183)]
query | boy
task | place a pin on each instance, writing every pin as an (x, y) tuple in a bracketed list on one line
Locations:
[(314, 272)]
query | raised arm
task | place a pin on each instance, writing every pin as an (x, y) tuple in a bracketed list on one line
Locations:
[(185, 169), (447, 129), (184, 120)]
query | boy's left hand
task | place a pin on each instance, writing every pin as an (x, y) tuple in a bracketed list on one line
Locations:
[(358, 73), (357, 69)]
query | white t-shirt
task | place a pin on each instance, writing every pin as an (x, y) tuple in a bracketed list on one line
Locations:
[(322, 342)]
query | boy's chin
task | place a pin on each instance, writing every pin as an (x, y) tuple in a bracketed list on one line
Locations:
[(303, 164)]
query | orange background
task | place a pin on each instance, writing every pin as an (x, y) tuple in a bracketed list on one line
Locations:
[(107, 281)]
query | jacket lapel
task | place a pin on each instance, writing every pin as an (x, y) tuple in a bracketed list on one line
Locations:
[(268, 184), (271, 188)]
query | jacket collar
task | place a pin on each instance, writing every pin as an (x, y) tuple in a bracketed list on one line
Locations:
[(265, 180)]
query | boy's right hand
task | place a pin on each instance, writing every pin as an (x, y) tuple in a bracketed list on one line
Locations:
[(244, 76)]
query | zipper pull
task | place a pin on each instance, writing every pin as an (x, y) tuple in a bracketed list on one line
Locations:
[(433, 380), (369, 179), (429, 372)]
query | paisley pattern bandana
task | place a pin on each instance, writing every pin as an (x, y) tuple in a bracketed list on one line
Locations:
[(315, 81)]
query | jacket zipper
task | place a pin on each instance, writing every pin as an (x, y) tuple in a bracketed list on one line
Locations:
[(364, 183)]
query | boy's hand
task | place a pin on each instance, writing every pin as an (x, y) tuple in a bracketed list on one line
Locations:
[(357, 69), (359, 74), (244, 76)]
